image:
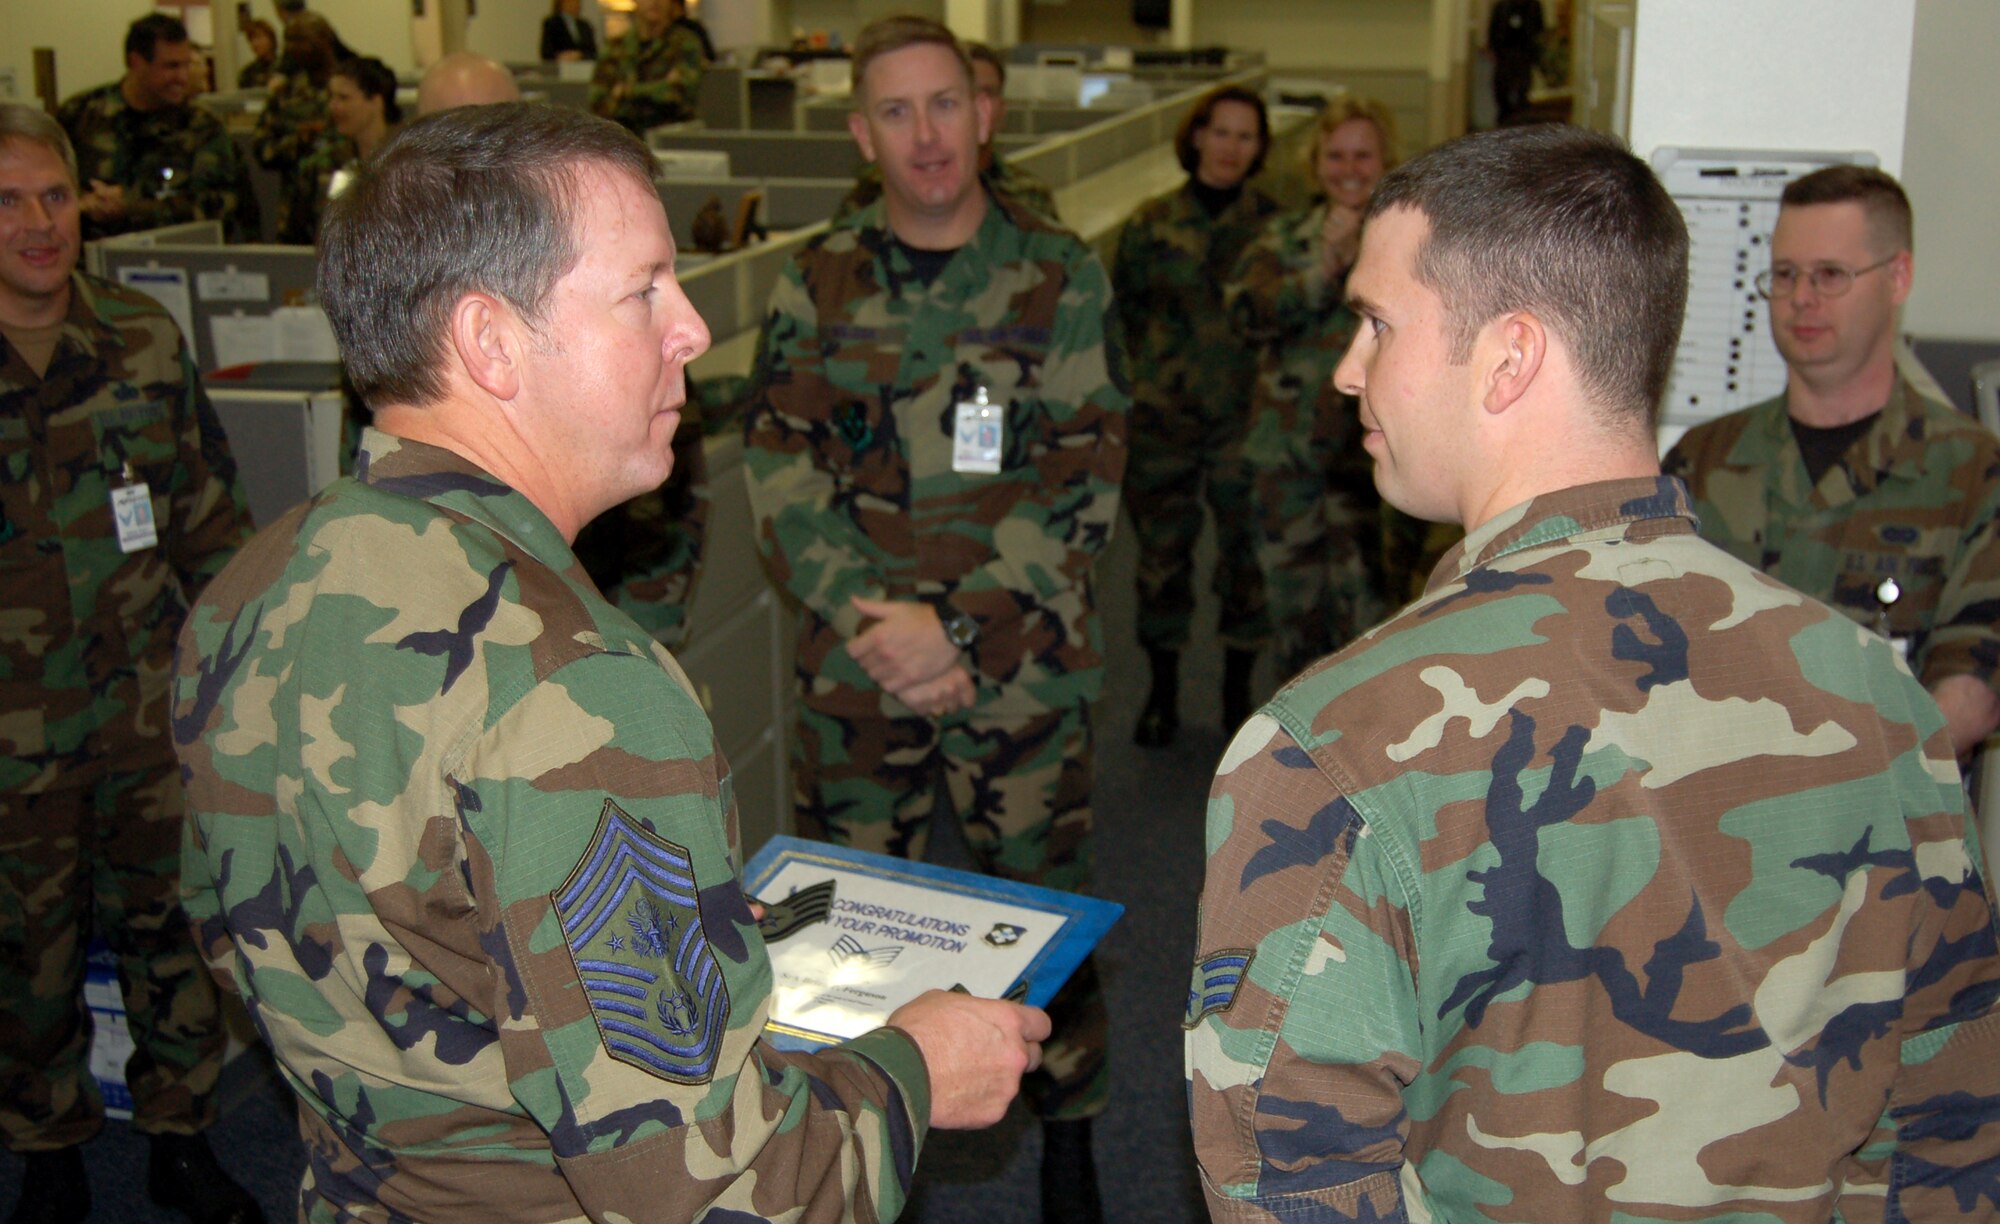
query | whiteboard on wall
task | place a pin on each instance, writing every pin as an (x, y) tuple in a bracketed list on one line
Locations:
[(1729, 198)]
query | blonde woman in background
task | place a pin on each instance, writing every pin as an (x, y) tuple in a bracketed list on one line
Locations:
[(1316, 509)]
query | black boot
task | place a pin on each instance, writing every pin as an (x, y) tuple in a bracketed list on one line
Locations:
[(1069, 1174), (1238, 666), (54, 1189), (1162, 716), (181, 1175)]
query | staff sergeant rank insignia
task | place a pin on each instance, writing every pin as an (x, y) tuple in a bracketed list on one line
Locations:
[(630, 916)]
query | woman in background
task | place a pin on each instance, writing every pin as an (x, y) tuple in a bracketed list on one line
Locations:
[(1317, 512), (361, 105), (263, 42), (565, 35), (1191, 376)]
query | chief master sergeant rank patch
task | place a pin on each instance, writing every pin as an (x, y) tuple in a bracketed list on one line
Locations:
[(632, 920)]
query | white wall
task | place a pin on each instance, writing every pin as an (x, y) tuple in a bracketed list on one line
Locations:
[(1952, 172), (1773, 74), (88, 37)]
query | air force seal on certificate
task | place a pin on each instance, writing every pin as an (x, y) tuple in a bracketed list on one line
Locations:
[(631, 918)]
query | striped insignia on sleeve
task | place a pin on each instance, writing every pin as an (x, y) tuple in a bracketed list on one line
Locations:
[(631, 915), (793, 914), (1216, 979)]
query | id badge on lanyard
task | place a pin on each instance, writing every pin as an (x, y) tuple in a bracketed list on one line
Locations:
[(132, 512), (979, 437)]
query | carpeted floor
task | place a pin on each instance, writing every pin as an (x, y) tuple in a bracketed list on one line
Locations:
[(1149, 859)]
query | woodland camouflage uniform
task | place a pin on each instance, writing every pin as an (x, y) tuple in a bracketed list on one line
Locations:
[(1611, 879), (1312, 484), (661, 76), (91, 805), (1191, 378), (175, 163), (463, 839), (849, 454), (1915, 499)]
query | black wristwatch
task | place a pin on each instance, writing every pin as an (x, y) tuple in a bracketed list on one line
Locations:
[(960, 629)]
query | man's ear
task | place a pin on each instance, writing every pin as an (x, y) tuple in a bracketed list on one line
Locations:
[(857, 126), (1902, 271), (982, 106), (486, 339), (1517, 344)]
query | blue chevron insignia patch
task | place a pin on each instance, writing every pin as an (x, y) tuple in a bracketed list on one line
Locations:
[(1217, 977), (632, 919)]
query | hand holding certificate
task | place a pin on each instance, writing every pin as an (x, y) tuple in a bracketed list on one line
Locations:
[(853, 936)]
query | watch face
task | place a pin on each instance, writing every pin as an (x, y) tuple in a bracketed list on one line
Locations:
[(961, 629)]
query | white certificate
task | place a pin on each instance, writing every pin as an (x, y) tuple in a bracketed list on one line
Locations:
[(853, 936)]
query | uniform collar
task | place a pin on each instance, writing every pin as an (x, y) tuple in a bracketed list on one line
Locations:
[(1608, 507), (454, 483), (85, 326), (1896, 434)]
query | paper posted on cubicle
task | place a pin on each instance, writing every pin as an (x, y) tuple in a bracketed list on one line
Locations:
[(168, 287), (289, 333)]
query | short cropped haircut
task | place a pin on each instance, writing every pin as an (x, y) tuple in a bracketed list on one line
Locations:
[(375, 80), (1881, 198), (1345, 109), (477, 199), (1204, 110), (145, 35), (980, 52), (19, 121), (1564, 223), (879, 38)]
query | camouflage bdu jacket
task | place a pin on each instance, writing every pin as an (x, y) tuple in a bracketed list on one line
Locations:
[(849, 443), (466, 846), (176, 164), (1609, 877), (1916, 499), (1000, 176), (1280, 298), (661, 78), (87, 638), (1173, 261)]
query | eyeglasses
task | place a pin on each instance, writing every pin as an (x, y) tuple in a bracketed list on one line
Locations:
[(1827, 280)]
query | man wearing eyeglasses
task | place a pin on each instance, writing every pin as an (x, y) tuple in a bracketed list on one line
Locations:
[(1851, 486)]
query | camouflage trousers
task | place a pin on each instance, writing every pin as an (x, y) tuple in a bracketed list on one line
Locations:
[(1020, 786), (1177, 459), (101, 857), (1317, 530)]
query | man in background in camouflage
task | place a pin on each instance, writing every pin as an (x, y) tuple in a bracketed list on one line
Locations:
[(293, 120), (1852, 486), (645, 554), (934, 449), (118, 501), (147, 156), (1612, 877), (989, 78), (460, 831), (652, 74)]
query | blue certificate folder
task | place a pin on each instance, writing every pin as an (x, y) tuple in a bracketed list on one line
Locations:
[(914, 926)]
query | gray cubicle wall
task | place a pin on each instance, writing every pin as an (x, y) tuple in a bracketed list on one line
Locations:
[(823, 155), (221, 280), (188, 233)]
